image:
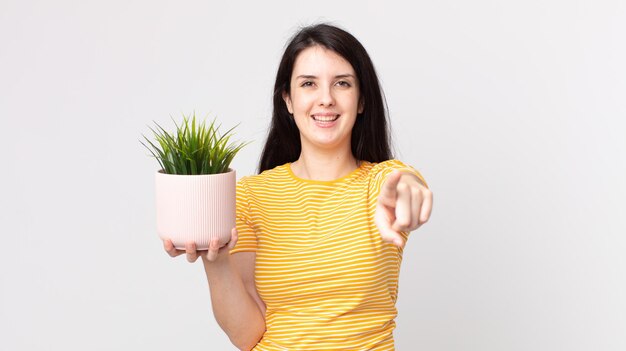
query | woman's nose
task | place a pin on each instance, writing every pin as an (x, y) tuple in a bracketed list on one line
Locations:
[(326, 97)]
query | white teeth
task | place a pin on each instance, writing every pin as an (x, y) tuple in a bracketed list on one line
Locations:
[(325, 118)]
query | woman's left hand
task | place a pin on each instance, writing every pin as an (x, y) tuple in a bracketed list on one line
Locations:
[(404, 204)]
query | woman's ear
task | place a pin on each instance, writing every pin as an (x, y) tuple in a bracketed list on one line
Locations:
[(361, 106), (287, 99)]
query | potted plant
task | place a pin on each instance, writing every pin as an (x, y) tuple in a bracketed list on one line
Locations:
[(195, 187)]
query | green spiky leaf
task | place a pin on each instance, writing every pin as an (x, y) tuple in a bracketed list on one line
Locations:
[(193, 148)]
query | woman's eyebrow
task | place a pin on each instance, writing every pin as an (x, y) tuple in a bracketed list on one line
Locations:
[(345, 76), (310, 76), (306, 76)]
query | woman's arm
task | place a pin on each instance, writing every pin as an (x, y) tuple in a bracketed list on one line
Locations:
[(237, 307)]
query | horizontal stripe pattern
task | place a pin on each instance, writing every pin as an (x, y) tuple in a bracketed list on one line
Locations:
[(326, 277)]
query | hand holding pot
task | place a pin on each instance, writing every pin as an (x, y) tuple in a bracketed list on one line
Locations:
[(211, 254)]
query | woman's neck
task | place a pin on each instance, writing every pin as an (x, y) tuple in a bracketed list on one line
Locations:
[(316, 165)]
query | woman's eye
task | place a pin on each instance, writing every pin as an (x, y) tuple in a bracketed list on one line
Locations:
[(343, 83), (307, 84)]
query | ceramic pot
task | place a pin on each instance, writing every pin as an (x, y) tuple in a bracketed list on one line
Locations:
[(195, 207)]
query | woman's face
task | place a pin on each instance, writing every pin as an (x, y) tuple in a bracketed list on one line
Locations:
[(324, 98)]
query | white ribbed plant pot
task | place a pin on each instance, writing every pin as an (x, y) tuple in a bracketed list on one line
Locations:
[(195, 208)]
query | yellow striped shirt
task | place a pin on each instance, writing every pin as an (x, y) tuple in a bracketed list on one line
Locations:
[(326, 277)]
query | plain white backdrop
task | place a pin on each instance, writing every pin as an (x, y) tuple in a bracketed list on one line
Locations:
[(514, 111)]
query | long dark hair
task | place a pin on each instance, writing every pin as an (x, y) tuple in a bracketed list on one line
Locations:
[(370, 134)]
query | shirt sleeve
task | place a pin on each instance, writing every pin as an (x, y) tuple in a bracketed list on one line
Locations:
[(382, 170), (247, 241)]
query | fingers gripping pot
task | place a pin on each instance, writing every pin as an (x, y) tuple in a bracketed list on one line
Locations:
[(195, 208)]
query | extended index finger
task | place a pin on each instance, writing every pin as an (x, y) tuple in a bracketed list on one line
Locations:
[(389, 191)]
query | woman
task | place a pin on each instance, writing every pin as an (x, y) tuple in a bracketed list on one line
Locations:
[(315, 257)]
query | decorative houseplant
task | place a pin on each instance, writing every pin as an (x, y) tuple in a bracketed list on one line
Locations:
[(195, 187)]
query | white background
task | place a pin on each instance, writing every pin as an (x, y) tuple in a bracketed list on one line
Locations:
[(514, 111)]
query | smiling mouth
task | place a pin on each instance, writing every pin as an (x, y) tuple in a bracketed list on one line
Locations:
[(325, 118)]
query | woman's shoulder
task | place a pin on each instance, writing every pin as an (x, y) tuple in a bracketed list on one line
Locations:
[(278, 173), (389, 165), (381, 170)]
